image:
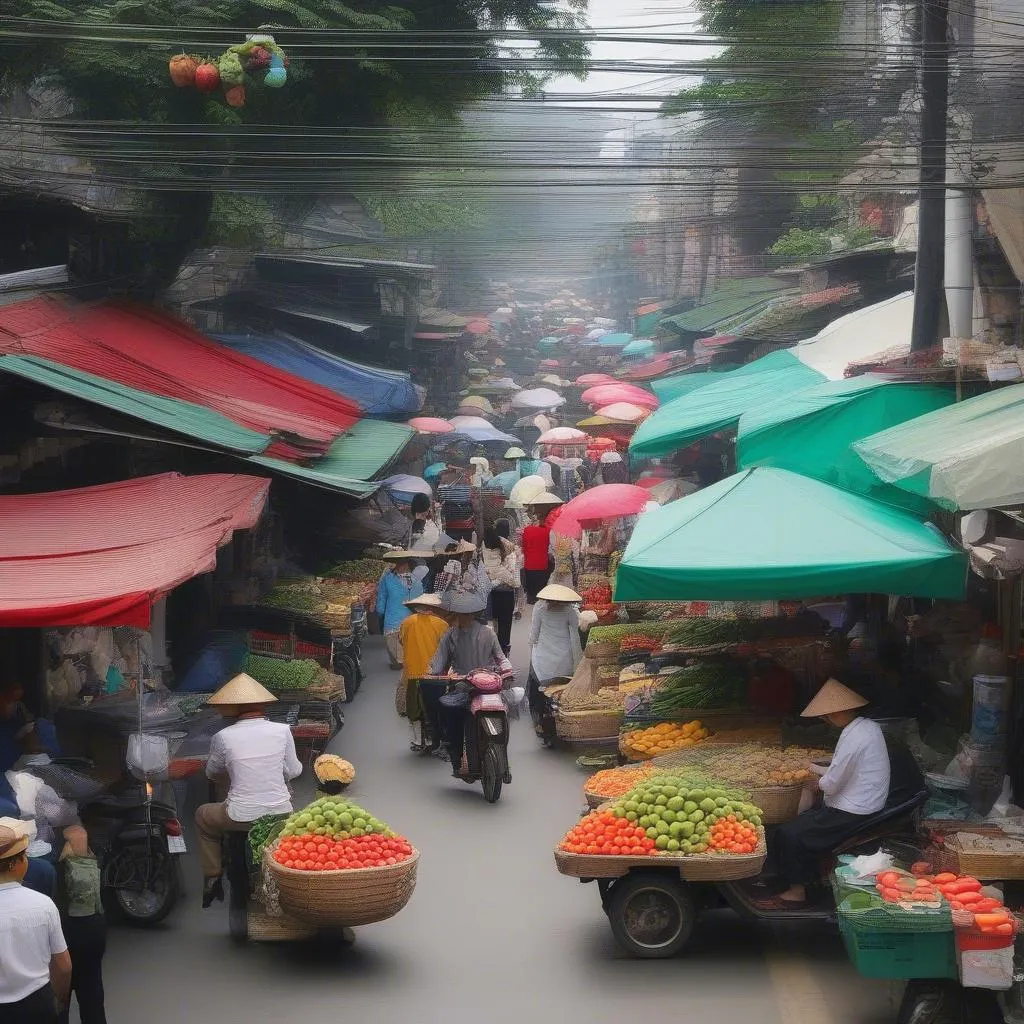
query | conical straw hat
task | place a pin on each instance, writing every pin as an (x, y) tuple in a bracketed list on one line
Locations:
[(556, 592), (832, 698), (243, 689), (424, 601), (547, 498)]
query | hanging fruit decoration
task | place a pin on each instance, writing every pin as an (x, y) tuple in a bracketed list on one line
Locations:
[(259, 60)]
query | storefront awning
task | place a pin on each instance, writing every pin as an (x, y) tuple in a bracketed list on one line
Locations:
[(768, 533), (102, 555), (965, 456), (810, 431), (678, 423)]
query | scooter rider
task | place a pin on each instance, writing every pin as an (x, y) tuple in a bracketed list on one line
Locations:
[(468, 645), (259, 759)]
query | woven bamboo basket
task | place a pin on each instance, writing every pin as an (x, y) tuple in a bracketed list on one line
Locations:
[(602, 651), (778, 804), (988, 865), (265, 928), (345, 899), (694, 867), (588, 725)]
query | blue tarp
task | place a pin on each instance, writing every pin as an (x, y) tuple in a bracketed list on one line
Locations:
[(379, 392)]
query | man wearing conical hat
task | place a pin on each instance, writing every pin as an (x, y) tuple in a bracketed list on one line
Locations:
[(855, 786), (258, 757)]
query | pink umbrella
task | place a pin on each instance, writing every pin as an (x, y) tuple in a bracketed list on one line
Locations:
[(590, 379), (606, 501), (430, 425), (624, 412), (606, 394), (563, 435)]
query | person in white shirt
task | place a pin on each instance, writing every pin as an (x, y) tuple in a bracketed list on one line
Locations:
[(855, 786), (259, 759), (555, 647), (35, 966)]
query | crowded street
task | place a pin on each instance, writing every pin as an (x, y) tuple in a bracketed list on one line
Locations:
[(492, 924)]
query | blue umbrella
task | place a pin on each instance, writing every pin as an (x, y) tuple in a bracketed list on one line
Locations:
[(639, 347), (506, 481), (615, 340), (435, 469)]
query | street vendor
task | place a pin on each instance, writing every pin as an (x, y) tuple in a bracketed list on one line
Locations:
[(466, 646), (259, 759), (855, 786)]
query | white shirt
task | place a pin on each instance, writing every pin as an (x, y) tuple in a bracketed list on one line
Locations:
[(857, 780), (259, 758), (555, 639), (30, 935)]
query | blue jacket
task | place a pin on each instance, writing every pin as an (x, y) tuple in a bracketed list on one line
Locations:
[(391, 592)]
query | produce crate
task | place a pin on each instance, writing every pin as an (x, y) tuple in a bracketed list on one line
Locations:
[(899, 955), (988, 865)]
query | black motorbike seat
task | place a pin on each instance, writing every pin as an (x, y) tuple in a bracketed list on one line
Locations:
[(893, 812)]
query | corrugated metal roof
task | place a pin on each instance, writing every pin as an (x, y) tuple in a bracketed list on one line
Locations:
[(174, 414), (736, 301)]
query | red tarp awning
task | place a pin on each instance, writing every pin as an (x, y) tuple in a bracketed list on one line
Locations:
[(146, 349), (102, 555)]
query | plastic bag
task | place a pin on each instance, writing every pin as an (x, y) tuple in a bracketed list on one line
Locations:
[(869, 865), (148, 755)]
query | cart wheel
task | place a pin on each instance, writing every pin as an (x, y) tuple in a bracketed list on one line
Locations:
[(492, 772), (946, 1002), (652, 914)]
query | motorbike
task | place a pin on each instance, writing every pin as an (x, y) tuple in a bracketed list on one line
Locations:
[(137, 839), (486, 728)]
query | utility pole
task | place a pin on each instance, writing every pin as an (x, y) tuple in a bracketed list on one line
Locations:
[(931, 221)]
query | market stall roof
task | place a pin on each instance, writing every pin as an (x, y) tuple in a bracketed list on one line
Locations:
[(965, 456), (145, 349), (678, 384), (350, 464), (185, 418), (102, 555), (720, 404), (767, 533), (733, 301), (604, 502), (378, 391), (811, 431)]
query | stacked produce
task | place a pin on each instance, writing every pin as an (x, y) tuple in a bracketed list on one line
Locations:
[(301, 596), (707, 684), (612, 782), (601, 832), (661, 738), (278, 675), (358, 570), (732, 835)]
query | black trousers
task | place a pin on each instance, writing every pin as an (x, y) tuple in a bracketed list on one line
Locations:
[(38, 1008), (503, 605), (801, 844), (87, 942), (534, 581), (431, 692)]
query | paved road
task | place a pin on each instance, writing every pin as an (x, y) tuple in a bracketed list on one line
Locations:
[(493, 932)]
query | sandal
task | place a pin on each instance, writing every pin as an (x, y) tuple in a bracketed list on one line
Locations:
[(417, 748)]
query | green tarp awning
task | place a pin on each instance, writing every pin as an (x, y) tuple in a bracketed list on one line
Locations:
[(966, 456), (195, 421), (720, 404), (735, 301), (365, 450), (767, 534), (811, 431), (678, 384)]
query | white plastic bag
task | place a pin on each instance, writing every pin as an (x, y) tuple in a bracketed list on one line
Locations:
[(148, 756), (869, 865)]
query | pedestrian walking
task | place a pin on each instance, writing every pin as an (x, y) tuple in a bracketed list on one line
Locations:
[(502, 566), (555, 648), (35, 966), (84, 925), (396, 586)]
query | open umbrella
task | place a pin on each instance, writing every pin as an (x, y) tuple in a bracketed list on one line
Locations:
[(435, 469), (597, 332), (549, 342), (550, 364), (503, 482), (403, 484), (527, 488), (476, 428), (638, 348), (588, 380), (606, 394), (615, 340), (537, 398), (430, 425), (562, 435), (624, 412), (477, 402), (606, 501)]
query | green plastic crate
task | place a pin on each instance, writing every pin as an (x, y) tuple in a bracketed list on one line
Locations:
[(893, 955)]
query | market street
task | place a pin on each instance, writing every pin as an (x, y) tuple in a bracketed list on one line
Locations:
[(492, 929)]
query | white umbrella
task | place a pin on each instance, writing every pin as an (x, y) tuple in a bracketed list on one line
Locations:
[(526, 489), (537, 398), (563, 435), (407, 484), (597, 332)]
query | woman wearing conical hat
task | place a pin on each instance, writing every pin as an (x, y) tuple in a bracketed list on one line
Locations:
[(855, 786), (259, 759)]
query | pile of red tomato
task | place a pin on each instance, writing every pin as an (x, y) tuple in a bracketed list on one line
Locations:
[(321, 853), (600, 832)]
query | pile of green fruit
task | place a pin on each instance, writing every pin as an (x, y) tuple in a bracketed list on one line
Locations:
[(279, 675), (678, 812), (335, 817)]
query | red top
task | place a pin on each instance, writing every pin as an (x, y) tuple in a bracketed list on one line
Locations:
[(535, 547)]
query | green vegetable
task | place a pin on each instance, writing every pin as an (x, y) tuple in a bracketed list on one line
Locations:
[(262, 832), (277, 675)]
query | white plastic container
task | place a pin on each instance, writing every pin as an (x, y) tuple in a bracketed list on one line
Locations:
[(990, 716)]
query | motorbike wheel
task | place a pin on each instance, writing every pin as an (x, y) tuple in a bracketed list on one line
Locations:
[(143, 886), (492, 772), (652, 914), (946, 1002)]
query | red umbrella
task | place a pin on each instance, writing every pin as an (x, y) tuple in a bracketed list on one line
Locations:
[(603, 444), (590, 379), (607, 394), (606, 501), (430, 425), (550, 364)]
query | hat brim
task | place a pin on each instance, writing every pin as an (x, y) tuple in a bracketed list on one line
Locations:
[(242, 689), (405, 556), (20, 845), (832, 699), (425, 601), (463, 604), (559, 594)]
